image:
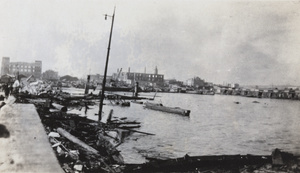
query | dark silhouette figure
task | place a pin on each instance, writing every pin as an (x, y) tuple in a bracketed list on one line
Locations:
[(6, 90), (4, 133)]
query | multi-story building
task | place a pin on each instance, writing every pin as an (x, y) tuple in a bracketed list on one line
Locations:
[(195, 82), (24, 68), (142, 78), (5, 66)]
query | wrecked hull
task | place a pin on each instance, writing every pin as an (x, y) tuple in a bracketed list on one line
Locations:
[(162, 108)]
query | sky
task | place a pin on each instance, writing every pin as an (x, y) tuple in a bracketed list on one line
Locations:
[(245, 42)]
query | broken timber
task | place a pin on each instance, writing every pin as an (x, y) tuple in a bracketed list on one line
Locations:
[(84, 146)]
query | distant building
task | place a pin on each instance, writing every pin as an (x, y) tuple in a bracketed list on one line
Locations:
[(143, 78), (234, 85), (196, 82), (50, 75), (173, 82), (5, 66), (97, 78), (146, 78), (24, 68)]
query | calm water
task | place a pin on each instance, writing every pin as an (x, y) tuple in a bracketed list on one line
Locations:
[(216, 126)]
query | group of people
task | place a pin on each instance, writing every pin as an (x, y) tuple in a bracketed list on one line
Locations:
[(7, 88), (10, 88)]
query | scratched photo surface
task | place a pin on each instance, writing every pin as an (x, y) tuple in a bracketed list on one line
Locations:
[(182, 78)]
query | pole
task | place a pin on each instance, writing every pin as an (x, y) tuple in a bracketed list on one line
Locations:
[(105, 70), (87, 85)]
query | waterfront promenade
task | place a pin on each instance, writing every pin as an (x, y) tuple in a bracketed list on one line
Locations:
[(26, 148)]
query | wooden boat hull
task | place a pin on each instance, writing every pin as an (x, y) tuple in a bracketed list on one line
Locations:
[(162, 108)]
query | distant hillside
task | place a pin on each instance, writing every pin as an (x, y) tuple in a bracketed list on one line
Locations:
[(68, 78)]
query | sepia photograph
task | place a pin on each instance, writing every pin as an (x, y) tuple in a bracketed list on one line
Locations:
[(187, 86)]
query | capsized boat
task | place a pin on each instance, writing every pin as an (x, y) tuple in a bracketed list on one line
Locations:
[(160, 107)]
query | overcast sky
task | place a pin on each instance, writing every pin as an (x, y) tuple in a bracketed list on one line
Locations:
[(246, 42)]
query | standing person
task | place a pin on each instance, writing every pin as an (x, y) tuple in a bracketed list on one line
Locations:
[(10, 89), (15, 87), (6, 90)]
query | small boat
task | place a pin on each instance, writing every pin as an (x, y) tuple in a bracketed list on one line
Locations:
[(160, 107)]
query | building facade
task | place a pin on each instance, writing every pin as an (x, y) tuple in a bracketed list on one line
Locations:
[(145, 78), (24, 68), (142, 78)]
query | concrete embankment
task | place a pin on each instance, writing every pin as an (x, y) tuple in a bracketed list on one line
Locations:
[(23, 141)]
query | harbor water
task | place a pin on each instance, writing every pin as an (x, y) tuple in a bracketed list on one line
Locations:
[(217, 125)]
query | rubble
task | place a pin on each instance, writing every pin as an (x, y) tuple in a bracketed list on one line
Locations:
[(80, 144), (54, 134), (221, 163)]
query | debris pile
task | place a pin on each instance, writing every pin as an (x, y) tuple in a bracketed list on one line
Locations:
[(277, 162), (81, 144)]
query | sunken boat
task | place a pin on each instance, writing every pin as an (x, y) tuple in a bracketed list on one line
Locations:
[(160, 107)]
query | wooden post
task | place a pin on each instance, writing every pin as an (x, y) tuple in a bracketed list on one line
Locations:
[(136, 88), (86, 91)]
